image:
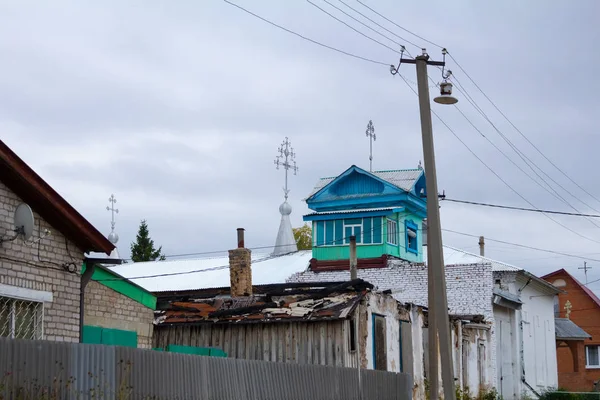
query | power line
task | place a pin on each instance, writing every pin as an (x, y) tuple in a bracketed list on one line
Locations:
[(521, 208), (365, 25), (307, 38), (401, 27), (519, 131), (379, 25), (523, 246), (523, 157), (354, 29), (494, 172)]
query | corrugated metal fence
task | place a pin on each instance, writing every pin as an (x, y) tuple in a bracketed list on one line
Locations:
[(50, 370)]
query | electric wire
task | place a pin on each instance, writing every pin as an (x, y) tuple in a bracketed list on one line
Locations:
[(494, 172), (356, 56), (521, 208), (374, 22), (520, 132), (363, 24), (525, 159), (523, 246), (401, 27), (354, 29)]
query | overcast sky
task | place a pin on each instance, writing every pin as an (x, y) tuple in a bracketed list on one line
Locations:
[(178, 108)]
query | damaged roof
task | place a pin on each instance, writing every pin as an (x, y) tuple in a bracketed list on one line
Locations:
[(287, 302)]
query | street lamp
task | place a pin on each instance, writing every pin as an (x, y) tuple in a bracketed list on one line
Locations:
[(445, 96)]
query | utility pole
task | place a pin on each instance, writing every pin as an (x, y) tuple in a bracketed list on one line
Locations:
[(353, 259), (371, 135), (435, 260), (481, 246), (585, 269)]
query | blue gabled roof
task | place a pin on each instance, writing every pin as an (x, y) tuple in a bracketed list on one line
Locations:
[(404, 179)]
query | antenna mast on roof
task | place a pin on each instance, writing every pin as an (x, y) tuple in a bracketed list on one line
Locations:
[(286, 159), (585, 269), (371, 135)]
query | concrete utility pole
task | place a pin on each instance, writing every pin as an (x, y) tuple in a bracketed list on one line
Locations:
[(438, 303)]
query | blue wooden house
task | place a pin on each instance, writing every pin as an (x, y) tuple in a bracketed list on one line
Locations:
[(383, 209)]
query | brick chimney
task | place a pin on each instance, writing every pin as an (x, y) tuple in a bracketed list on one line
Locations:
[(240, 268)]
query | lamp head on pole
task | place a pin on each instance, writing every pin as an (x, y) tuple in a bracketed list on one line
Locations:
[(445, 96)]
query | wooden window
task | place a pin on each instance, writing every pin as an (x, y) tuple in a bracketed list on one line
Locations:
[(392, 232), (379, 343)]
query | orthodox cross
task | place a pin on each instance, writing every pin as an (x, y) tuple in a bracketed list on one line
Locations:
[(113, 211), (371, 134), (568, 307), (286, 160)]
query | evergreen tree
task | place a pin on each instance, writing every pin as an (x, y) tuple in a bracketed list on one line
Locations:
[(143, 247)]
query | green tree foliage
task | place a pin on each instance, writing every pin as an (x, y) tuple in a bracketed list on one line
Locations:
[(143, 247), (303, 236)]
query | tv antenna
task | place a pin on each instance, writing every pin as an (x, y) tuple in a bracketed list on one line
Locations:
[(585, 269), (24, 223)]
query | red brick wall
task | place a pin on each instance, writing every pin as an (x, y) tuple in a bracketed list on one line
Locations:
[(585, 312)]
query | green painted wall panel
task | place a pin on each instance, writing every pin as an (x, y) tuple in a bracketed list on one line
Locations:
[(109, 337), (343, 252), (92, 334)]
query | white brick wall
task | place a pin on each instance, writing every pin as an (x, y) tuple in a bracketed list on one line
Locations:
[(469, 288), (25, 265)]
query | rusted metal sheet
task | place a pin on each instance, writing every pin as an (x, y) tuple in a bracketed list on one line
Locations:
[(39, 369), (313, 302)]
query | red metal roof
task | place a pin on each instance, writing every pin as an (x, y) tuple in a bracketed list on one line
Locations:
[(44, 200), (587, 290)]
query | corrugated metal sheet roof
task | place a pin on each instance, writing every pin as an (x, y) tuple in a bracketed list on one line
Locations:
[(211, 272), (350, 211), (566, 329), (508, 296), (454, 256), (401, 178), (285, 302)]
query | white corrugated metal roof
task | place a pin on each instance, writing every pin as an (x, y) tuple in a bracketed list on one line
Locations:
[(454, 256), (265, 270), (402, 178)]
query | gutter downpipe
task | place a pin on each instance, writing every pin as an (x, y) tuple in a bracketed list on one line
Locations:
[(85, 279)]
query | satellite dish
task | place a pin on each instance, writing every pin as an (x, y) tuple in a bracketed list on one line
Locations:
[(24, 221)]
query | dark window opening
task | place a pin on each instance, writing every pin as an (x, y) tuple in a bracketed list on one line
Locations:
[(352, 335), (379, 342)]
